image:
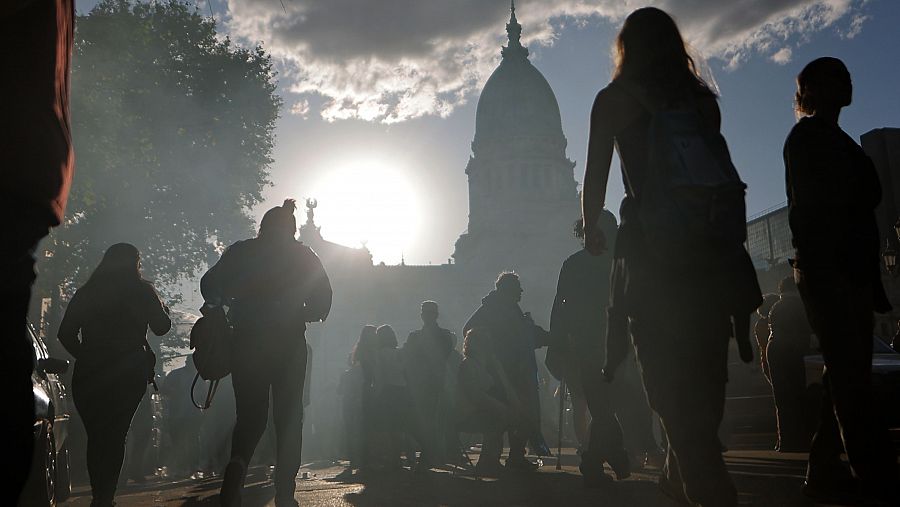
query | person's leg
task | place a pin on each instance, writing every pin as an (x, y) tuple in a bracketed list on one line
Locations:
[(287, 413), (17, 355), (605, 432), (684, 365), (581, 419), (842, 317), (107, 424), (251, 397)]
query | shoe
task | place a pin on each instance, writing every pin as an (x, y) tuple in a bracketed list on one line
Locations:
[(520, 464), (232, 484)]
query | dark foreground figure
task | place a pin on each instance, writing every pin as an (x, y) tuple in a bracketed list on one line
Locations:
[(832, 190), (35, 174), (273, 286), (679, 309), (113, 361)]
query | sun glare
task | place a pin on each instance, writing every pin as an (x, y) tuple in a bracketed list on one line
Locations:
[(368, 202)]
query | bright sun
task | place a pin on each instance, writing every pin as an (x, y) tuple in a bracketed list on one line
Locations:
[(367, 201)]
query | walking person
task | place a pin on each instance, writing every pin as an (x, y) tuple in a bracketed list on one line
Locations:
[(273, 285), (577, 328), (682, 282), (105, 330), (832, 191)]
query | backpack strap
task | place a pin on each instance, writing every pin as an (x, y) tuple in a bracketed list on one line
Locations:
[(213, 387)]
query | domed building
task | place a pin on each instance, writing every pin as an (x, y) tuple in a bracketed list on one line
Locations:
[(522, 191)]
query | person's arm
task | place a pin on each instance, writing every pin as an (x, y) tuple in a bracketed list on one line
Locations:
[(596, 172), (559, 322), (71, 325), (157, 313), (317, 304)]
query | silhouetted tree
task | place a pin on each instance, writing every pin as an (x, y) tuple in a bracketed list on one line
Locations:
[(173, 127)]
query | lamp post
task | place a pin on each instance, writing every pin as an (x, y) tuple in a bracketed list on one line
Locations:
[(897, 228), (890, 257)]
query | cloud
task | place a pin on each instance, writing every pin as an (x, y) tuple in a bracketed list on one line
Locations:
[(300, 108), (394, 60), (782, 56)]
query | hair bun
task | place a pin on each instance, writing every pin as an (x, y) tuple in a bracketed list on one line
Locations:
[(290, 205)]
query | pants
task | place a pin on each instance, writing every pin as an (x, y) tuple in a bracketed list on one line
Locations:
[(17, 355), (258, 370), (107, 394), (841, 314), (788, 377), (683, 352), (140, 442), (605, 441)]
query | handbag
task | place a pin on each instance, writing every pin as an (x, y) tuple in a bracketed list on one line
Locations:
[(211, 341)]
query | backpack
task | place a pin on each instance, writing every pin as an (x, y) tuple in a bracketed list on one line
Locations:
[(211, 342), (691, 209)]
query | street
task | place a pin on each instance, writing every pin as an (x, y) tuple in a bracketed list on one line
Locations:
[(763, 478)]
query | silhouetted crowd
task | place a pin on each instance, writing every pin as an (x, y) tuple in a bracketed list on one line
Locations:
[(642, 320)]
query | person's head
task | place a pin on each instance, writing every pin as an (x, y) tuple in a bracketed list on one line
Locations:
[(787, 286), (367, 341), (509, 286), (824, 83), (476, 342), (386, 337), (429, 312), (121, 261), (606, 222), (279, 222), (650, 50), (769, 299)]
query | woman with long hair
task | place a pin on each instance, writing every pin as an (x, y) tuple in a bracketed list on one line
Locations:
[(105, 329), (679, 314), (833, 190)]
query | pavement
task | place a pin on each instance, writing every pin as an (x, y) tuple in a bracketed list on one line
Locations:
[(763, 478)]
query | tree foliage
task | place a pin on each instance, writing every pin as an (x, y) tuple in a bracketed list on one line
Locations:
[(173, 129)]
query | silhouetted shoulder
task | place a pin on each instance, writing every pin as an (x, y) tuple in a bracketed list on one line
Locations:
[(615, 107)]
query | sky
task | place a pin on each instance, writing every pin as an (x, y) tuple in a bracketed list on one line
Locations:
[(380, 96)]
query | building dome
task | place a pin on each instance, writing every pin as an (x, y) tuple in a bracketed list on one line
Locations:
[(517, 100)]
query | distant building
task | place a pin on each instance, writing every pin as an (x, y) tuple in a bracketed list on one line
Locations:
[(769, 237), (883, 146)]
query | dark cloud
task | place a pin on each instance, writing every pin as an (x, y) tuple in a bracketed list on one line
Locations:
[(392, 60)]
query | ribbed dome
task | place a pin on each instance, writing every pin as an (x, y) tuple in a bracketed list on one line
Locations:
[(517, 101)]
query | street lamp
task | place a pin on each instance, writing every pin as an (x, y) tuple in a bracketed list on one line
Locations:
[(890, 257)]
